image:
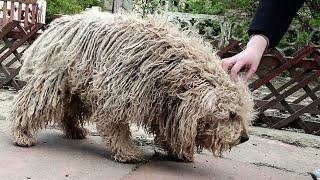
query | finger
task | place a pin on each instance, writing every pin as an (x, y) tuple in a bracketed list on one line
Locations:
[(250, 73), (235, 70), (226, 63)]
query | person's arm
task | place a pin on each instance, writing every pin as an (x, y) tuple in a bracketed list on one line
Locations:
[(273, 17), (268, 26)]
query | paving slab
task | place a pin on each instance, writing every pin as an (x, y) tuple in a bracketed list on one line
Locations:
[(206, 168), (56, 157), (277, 155), (258, 159)]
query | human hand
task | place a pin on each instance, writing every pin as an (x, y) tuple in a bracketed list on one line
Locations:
[(249, 58)]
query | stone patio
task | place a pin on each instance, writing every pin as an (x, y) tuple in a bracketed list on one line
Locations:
[(269, 154)]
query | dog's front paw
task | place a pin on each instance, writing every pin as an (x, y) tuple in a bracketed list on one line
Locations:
[(129, 158), (23, 140)]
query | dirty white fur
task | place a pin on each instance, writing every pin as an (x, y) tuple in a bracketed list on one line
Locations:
[(116, 70)]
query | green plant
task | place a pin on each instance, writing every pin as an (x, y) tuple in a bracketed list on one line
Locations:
[(204, 7), (68, 7), (145, 7), (315, 22), (215, 7), (304, 29)]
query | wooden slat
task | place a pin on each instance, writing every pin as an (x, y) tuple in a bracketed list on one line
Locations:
[(5, 45), (11, 70), (17, 44), (3, 48), (306, 95), (295, 107), (309, 92), (232, 44), (266, 120), (7, 28), (19, 82), (286, 105), (34, 13), (23, 32), (290, 91), (17, 58), (16, 53), (9, 76), (12, 11), (296, 115), (313, 124), (287, 84), (26, 14), (4, 71), (14, 35), (20, 10), (5, 12), (302, 54)]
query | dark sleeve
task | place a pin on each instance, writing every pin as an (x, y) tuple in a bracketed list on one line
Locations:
[(273, 18)]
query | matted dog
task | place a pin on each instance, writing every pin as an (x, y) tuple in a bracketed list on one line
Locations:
[(117, 70)]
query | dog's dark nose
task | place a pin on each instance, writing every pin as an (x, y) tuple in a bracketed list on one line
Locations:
[(244, 139)]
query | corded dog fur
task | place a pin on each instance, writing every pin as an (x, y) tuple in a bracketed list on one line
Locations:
[(114, 71)]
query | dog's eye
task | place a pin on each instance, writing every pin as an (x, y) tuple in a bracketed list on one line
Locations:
[(232, 115)]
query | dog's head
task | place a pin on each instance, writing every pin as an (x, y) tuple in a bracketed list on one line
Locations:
[(214, 113), (226, 118), (226, 113)]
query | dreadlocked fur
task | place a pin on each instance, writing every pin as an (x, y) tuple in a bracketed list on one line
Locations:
[(117, 70)]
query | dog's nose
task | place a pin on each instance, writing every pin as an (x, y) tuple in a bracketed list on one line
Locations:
[(244, 139)]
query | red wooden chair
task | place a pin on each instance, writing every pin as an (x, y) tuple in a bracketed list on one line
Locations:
[(21, 22)]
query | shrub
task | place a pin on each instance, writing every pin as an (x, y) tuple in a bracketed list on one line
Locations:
[(68, 7)]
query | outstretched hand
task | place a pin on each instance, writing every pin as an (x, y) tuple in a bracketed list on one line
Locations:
[(249, 58)]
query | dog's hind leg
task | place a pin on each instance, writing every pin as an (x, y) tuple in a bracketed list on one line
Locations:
[(40, 102), (118, 139), (74, 117)]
